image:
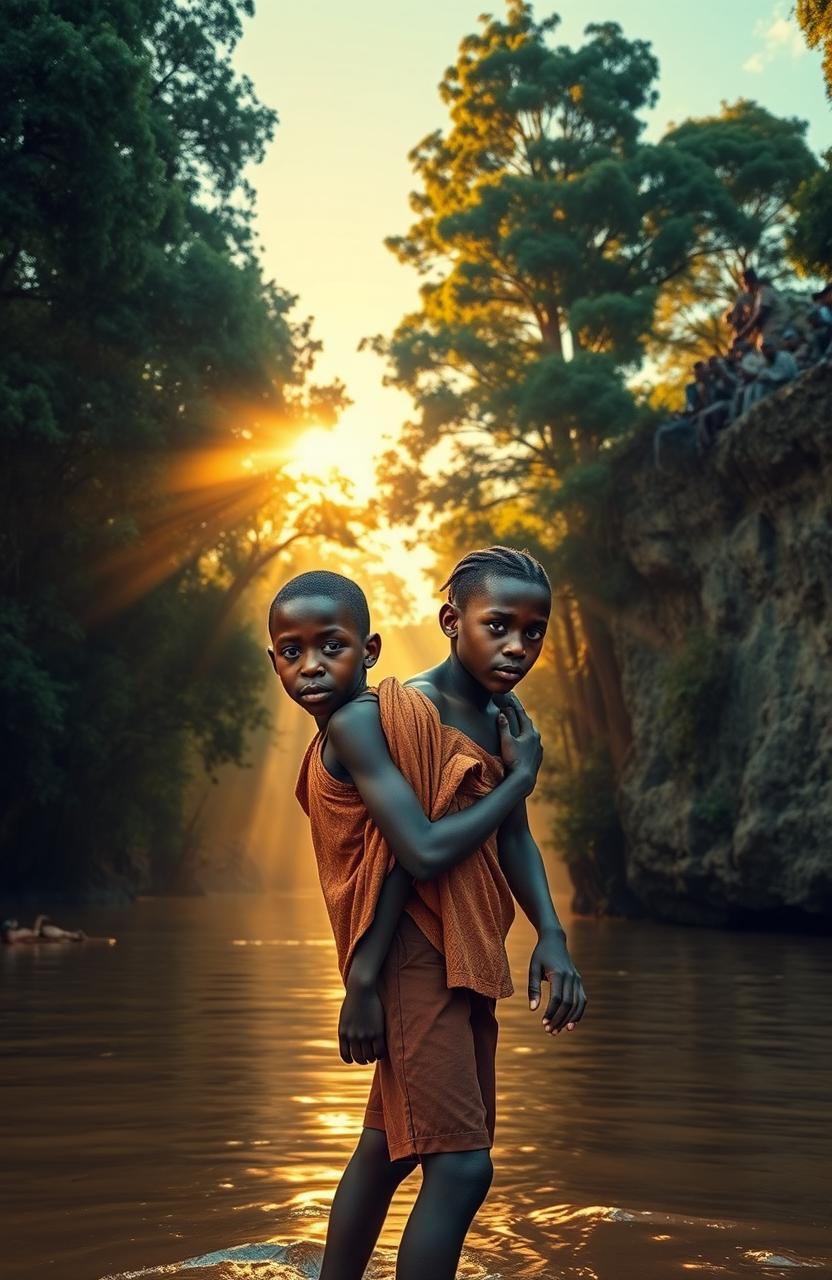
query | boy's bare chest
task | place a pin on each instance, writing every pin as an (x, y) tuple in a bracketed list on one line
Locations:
[(479, 726)]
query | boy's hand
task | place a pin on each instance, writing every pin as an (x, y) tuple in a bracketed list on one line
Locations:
[(520, 744), (361, 1024), (551, 960)]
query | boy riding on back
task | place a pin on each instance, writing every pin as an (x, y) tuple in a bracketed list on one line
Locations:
[(407, 788)]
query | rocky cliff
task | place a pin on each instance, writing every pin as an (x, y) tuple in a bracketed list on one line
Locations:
[(725, 649)]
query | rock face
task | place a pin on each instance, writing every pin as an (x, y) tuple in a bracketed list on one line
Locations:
[(725, 649)]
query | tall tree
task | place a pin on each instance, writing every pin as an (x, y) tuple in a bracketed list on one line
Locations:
[(546, 229), (151, 384)]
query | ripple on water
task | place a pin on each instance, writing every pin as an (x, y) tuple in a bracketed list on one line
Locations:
[(300, 1260), (590, 1243)]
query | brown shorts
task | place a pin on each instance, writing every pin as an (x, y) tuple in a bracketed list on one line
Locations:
[(435, 1089)]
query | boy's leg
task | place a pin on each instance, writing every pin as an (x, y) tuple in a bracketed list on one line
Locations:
[(360, 1206), (454, 1185)]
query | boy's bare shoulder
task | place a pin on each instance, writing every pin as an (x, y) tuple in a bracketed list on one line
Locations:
[(361, 713), (427, 685), (355, 725)]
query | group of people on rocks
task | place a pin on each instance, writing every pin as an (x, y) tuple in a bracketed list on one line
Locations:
[(776, 334)]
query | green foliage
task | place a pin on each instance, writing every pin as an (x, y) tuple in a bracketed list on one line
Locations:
[(586, 816), (142, 356), (762, 163), (815, 17), (587, 833), (810, 238), (693, 686)]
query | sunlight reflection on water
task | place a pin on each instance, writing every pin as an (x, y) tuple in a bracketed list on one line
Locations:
[(180, 1106)]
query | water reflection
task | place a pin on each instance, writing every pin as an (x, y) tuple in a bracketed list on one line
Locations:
[(179, 1104)]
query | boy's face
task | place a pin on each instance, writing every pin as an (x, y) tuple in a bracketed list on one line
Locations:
[(499, 632), (319, 653)]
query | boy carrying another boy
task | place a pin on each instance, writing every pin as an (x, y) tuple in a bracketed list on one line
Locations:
[(416, 799)]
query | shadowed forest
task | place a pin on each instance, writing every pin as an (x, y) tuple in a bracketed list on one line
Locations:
[(154, 386)]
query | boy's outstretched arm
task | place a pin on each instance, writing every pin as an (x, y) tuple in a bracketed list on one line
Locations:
[(423, 847), (526, 875)]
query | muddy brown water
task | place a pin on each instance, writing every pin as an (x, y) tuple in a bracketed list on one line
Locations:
[(175, 1104)]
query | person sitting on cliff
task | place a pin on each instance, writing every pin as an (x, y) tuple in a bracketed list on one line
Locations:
[(820, 324), (737, 316), (779, 368), (43, 930), (722, 386), (797, 345), (697, 393), (769, 309), (748, 363), (723, 378)]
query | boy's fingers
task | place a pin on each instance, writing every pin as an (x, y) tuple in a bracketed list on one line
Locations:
[(504, 730), (565, 1007), (367, 1050), (344, 1048), (379, 1047), (578, 1006), (556, 988), (534, 989), (357, 1053), (523, 721)]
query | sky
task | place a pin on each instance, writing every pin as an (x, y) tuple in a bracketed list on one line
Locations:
[(355, 86)]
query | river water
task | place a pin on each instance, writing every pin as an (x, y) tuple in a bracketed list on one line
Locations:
[(174, 1105)]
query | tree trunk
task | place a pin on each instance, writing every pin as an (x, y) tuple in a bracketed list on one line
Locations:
[(606, 672), (568, 687), (591, 725)]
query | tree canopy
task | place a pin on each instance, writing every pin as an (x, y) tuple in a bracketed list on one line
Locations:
[(764, 163), (815, 18), (151, 384)]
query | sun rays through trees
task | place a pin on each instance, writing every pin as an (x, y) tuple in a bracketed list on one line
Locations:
[(153, 386)]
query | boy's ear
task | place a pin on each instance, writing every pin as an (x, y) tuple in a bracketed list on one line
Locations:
[(372, 649), (270, 652), (449, 619)]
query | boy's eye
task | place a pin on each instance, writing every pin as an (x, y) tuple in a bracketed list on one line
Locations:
[(535, 633), (332, 646), (497, 627), (290, 652)]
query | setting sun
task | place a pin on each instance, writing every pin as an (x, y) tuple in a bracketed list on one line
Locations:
[(329, 454)]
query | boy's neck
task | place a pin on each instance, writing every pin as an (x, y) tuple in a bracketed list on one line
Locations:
[(459, 682), (323, 720)]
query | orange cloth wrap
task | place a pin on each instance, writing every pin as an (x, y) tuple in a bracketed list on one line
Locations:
[(465, 912)]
